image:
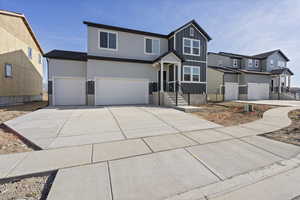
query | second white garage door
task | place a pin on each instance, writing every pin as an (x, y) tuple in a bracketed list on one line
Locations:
[(258, 91), (231, 91), (121, 91)]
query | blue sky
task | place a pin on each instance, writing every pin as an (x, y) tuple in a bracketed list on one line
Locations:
[(245, 27)]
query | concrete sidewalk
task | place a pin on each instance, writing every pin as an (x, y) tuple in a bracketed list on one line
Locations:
[(168, 166)]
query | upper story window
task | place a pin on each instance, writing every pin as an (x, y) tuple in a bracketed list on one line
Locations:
[(8, 70), (256, 63), (281, 63), (192, 31), (235, 62), (152, 46), (250, 62), (272, 63), (191, 47), (29, 52), (108, 40), (191, 74), (40, 59)]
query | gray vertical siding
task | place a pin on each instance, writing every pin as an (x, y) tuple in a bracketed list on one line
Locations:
[(185, 33), (275, 57)]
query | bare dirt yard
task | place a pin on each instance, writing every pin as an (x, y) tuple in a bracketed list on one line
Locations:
[(32, 188), (290, 134), (231, 113), (9, 142)]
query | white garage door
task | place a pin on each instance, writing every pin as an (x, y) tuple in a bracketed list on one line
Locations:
[(231, 91), (257, 91), (118, 91), (69, 91)]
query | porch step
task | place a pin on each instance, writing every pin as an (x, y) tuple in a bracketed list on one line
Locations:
[(180, 100), (188, 109)]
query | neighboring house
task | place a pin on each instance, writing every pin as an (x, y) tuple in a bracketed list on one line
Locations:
[(126, 66), (21, 69), (233, 76)]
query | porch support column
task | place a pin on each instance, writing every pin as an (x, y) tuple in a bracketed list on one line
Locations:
[(179, 72), (161, 76), (289, 81)]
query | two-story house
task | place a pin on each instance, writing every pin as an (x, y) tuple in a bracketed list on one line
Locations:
[(126, 66), (234, 76), (21, 68)]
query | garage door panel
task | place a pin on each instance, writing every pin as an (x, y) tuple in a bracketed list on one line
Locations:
[(112, 91), (231, 91), (69, 91), (258, 91)]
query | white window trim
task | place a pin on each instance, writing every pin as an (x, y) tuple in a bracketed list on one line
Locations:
[(191, 80), (256, 63), (250, 62), (191, 54), (29, 49), (235, 62), (5, 70), (152, 46), (109, 49)]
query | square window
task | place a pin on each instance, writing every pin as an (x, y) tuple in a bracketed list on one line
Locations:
[(191, 47), (107, 40), (191, 74), (152, 46), (8, 70)]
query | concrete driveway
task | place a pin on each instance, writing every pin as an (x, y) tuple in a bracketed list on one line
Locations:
[(274, 102), (69, 126)]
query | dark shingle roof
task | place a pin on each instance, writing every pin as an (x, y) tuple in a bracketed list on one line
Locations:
[(163, 55), (117, 28), (266, 54), (281, 70), (67, 55), (224, 69), (196, 25)]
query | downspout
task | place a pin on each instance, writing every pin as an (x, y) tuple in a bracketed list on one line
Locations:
[(48, 80), (223, 91)]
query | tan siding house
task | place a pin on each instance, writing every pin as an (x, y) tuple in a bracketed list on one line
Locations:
[(21, 68)]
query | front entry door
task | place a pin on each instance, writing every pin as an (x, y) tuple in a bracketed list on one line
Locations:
[(164, 80)]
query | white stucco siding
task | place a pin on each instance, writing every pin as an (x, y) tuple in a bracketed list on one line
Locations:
[(99, 68), (66, 68), (129, 45)]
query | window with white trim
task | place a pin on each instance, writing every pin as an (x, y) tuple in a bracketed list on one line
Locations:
[(30, 52), (235, 62), (272, 63), (191, 47), (191, 74), (250, 62), (108, 40), (152, 46), (8, 70), (256, 63)]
